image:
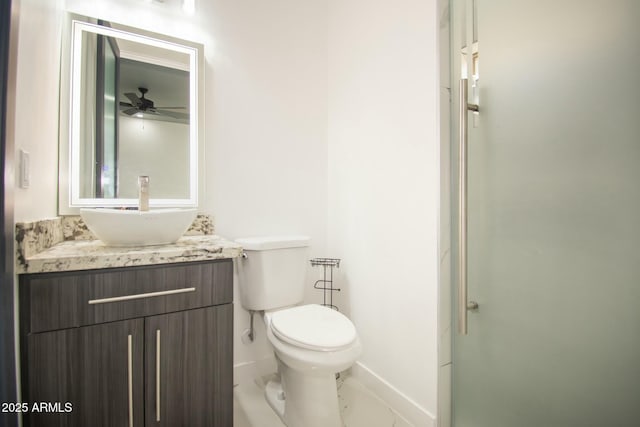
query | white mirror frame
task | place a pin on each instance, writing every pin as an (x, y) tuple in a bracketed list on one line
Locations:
[(70, 200)]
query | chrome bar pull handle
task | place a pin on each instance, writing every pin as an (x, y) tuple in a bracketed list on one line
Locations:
[(157, 375), (463, 304), (141, 296), (130, 377)]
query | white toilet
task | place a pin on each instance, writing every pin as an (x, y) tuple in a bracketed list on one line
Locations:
[(311, 342)]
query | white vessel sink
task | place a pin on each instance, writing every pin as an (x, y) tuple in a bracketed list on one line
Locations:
[(117, 227)]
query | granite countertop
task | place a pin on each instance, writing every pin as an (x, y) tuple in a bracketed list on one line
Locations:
[(66, 244), (93, 254)]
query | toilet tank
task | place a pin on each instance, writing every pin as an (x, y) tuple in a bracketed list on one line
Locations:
[(272, 274)]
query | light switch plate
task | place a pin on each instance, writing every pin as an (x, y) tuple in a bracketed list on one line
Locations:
[(24, 177)]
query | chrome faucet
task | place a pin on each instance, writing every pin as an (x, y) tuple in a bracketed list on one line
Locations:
[(143, 193)]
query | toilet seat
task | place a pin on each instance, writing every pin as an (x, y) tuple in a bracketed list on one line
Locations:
[(313, 327)]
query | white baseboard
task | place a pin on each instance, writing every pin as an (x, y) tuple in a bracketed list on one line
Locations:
[(401, 403)]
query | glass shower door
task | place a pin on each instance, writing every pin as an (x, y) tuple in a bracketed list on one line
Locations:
[(552, 213)]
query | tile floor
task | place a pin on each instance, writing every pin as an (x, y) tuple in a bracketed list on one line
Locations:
[(360, 407)]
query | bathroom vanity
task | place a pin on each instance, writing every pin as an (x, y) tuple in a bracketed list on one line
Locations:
[(126, 345)]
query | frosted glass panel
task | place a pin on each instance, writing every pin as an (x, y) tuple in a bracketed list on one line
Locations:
[(554, 217)]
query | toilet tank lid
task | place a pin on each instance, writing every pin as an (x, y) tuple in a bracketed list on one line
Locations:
[(272, 242)]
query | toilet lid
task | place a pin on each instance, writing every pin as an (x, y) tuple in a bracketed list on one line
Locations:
[(314, 327)]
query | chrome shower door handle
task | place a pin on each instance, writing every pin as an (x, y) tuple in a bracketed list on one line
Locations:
[(463, 304)]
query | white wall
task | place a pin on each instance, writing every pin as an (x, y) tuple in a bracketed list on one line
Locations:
[(155, 148), (383, 184), (266, 133), (36, 127)]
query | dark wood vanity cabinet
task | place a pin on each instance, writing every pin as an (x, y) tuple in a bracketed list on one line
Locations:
[(88, 368), (139, 346)]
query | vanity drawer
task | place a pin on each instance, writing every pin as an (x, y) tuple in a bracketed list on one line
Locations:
[(62, 300)]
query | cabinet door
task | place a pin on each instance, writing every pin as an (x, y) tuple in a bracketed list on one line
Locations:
[(189, 368), (98, 370)]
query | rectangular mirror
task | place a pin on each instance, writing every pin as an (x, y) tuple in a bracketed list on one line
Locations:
[(134, 108)]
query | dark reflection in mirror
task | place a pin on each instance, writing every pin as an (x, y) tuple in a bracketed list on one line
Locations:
[(106, 151)]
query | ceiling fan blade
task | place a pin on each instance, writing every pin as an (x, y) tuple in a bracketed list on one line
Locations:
[(134, 98), (125, 104), (130, 111), (173, 114), (173, 108)]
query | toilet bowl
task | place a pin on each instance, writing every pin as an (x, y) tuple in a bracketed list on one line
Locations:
[(311, 342)]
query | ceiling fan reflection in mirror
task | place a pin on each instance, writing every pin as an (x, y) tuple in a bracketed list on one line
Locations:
[(144, 107)]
